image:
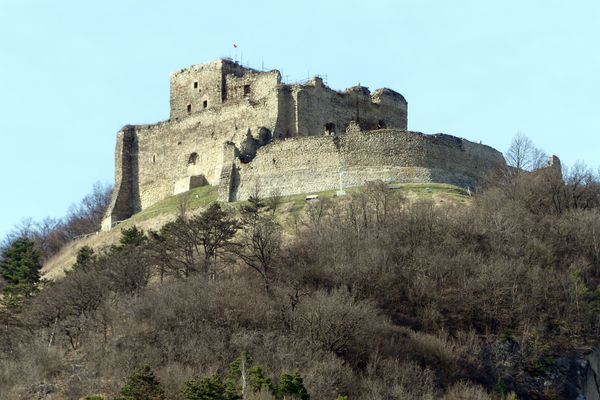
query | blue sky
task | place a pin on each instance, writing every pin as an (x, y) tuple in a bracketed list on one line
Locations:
[(73, 72)]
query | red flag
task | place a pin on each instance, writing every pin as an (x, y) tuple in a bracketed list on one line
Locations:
[(235, 46)]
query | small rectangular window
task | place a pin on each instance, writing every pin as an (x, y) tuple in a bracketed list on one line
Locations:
[(189, 108), (246, 90), (195, 85), (205, 103)]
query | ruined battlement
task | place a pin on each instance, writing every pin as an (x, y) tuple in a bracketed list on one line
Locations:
[(238, 128), (303, 109), (205, 86)]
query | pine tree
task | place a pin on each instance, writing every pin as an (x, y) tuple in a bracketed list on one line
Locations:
[(130, 237), (85, 258), (20, 268), (142, 385), (209, 388), (245, 377), (291, 385)]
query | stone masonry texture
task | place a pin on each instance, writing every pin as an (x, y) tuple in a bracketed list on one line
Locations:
[(244, 130)]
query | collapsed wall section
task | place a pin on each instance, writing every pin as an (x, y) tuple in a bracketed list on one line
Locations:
[(308, 108)]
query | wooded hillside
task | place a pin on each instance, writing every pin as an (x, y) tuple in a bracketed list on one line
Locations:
[(371, 297)]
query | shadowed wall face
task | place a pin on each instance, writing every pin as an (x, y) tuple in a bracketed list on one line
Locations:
[(126, 193)]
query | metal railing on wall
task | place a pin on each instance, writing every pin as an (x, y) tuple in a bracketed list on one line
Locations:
[(284, 78)]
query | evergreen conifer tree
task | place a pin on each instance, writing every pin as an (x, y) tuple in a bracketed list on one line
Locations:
[(20, 268), (85, 258), (291, 385), (142, 385), (209, 388)]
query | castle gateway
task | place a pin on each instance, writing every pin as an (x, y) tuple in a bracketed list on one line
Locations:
[(240, 129)]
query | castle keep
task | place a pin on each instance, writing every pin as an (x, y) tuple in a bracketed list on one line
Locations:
[(240, 129)]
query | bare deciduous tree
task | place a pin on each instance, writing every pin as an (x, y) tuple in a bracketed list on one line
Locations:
[(259, 244), (275, 200), (182, 205), (51, 234), (523, 155)]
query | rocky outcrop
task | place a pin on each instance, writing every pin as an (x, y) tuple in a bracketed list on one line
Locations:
[(542, 375)]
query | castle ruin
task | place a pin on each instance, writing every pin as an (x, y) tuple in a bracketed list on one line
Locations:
[(238, 128)]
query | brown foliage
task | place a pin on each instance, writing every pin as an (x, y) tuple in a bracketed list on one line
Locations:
[(374, 298)]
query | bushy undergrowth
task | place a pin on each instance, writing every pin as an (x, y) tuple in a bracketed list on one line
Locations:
[(373, 297)]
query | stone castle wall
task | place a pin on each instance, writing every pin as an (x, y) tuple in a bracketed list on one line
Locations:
[(239, 128), (201, 88), (317, 104), (304, 165), (166, 153), (302, 109), (125, 198)]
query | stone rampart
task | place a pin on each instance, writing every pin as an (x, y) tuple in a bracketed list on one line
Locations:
[(311, 164)]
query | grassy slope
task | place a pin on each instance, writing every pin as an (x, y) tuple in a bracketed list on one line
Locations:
[(191, 200), (196, 200)]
